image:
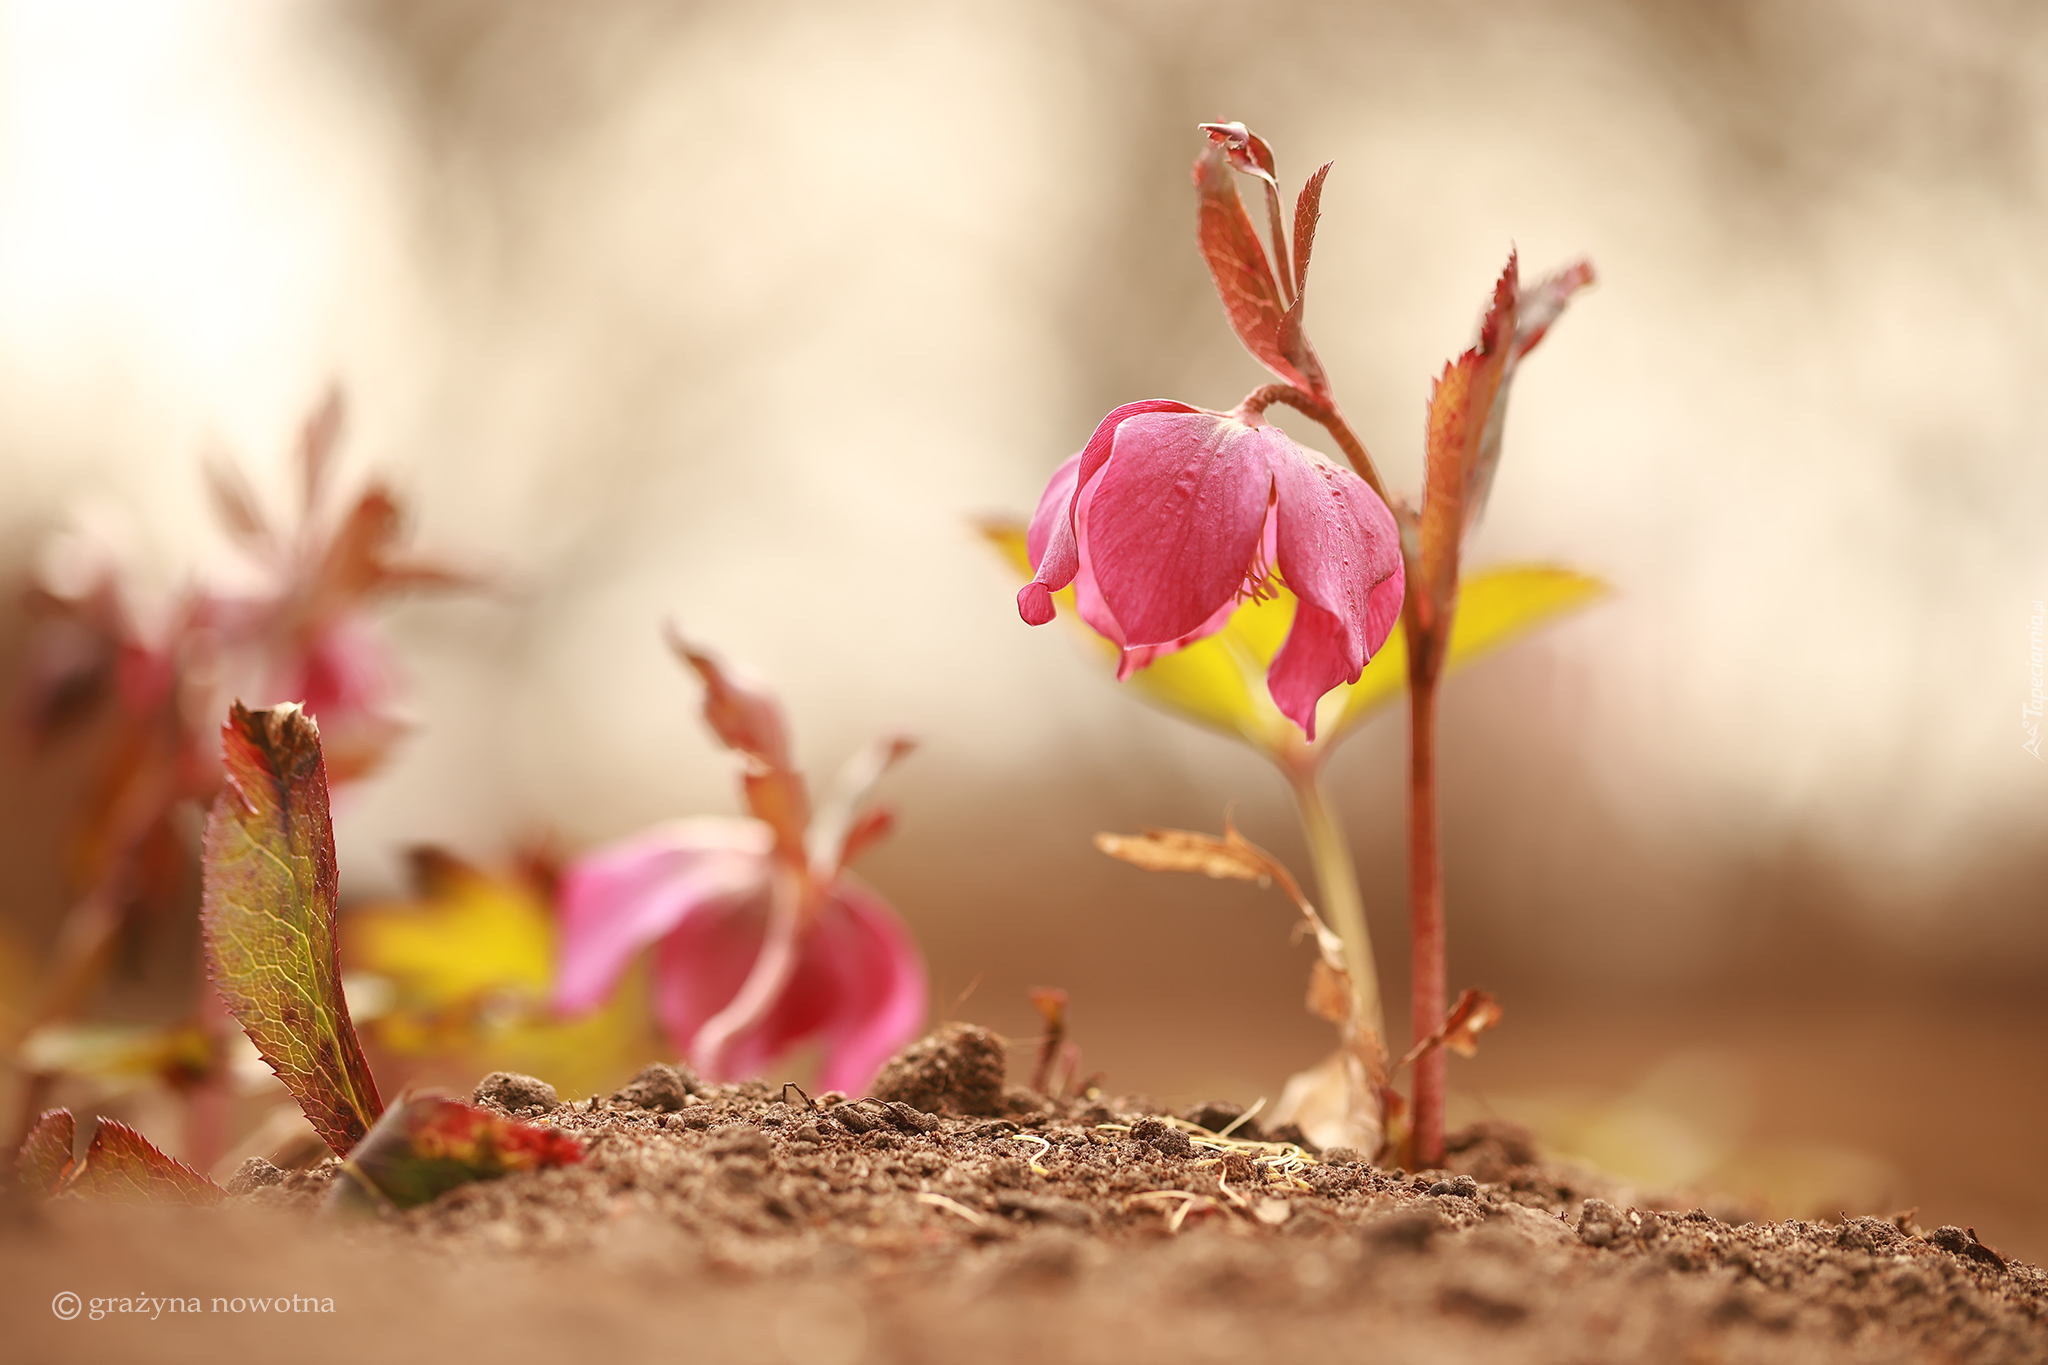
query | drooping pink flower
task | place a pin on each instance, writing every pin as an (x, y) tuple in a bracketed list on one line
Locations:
[(1171, 515), (763, 940)]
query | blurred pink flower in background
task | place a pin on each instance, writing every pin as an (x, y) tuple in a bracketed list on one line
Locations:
[(763, 940), (1171, 516)]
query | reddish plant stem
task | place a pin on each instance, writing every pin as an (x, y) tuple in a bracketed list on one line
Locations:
[(1428, 633), (1325, 413), (1426, 975)]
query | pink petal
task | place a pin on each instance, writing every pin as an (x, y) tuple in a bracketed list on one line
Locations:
[(347, 675), (1314, 658), (1053, 505), (617, 900), (1135, 657), (702, 964), (1176, 520), (1057, 557), (1383, 607), (1337, 549), (858, 986)]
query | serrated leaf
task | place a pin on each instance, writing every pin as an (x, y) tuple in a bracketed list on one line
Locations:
[(1293, 339), (268, 912), (121, 1166), (429, 1143), (44, 1161), (1238, 265), (1537, 307), (1459, 406)]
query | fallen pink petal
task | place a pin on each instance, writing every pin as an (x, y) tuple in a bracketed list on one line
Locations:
[(760, 947)]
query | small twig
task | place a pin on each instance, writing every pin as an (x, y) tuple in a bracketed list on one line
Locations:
[(810, 1105), (1044, 1148), (952, 1206), (1051, 1003), (1242, 1119)]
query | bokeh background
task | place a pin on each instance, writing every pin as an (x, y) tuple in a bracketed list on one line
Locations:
[(739, 315)]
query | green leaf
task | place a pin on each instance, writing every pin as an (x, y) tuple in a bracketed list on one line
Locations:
[(268, 913), (428, 1144)]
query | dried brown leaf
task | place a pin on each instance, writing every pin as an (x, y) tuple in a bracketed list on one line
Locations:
[(1474, 1013), (1329, 992)]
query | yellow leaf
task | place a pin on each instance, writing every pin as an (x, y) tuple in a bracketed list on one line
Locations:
[(1220, 681), (1495, 607), (481, 934), (470, 963)]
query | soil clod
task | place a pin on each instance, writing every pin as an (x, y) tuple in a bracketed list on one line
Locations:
[(957, 1070), (512, 1092), (662, 1086)]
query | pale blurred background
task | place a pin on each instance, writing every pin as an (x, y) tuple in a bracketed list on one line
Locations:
[(740, 315)]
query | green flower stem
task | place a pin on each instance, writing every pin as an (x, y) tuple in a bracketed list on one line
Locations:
[(1337, 893)]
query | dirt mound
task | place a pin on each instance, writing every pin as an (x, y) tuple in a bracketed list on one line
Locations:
[(765, 1228)]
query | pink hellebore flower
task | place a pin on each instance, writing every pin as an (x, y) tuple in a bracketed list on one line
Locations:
[(764, 939), (1171, 515)]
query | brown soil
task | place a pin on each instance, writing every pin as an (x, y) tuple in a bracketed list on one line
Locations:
[(735, 1222)]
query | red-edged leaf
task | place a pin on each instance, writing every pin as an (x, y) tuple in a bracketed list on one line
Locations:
[(869, 828), (746, 719), (235, 503), (354, 564), (428, 1144), (1542, 303), (741, 713), (44, 1162), (1308, 210), (268, 912), (1250, 153), (1237, 264), (1537, 307), (1458, 411), (121, 1166), (1293, 340), (846, 824), (317, 440)]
